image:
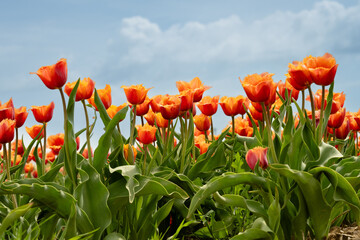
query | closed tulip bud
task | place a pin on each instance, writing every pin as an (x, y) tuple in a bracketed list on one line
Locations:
[(208, 105), (126, 153), (257, 154), (343, 130), (20, 116), (202, 122), (43, 114), (7, 127), (336, 119)]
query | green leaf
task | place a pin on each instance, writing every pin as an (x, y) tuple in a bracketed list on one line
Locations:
[(14, 215), (102, 150), (328, 154), (114, 236), (92, 196), (259, 230), (310, 143)]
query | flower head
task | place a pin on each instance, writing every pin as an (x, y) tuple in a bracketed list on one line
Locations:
[(53, 76), (260, 87), (55, 142), (126, 152), (135, 94), (195, 85), (44, 113), (84, 90), (234, 105), (257, 154), (7, 110), (322, 69), (35, 130), (104, 95), (7, 127), (20, 116), (113, 110), (146, 133), (202, 122), (170, 106), (208, 105)]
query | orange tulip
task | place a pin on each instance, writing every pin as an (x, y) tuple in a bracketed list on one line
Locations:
[(20, 150), (154, 103), (354, 120), (55, 142), (336, 119), (50, 157), (300, 77), (29, 167), (202, 122), (53, 76), (343, 130), (200, 142), (44, 113), (322, 69), (7, 127), (196, 85), (104, 95), (20, 116), (31, 156), (126, 152), (113, 110), (255, 113), (85, 153), (135, 94), (84, 91), (337, 103), (283, 87), (35, 130), (208, 105), (161, 121), (146, 133), (150, 117), (7, 110), (143, 108), (187, 97), (170, 107), (257, 154), (260, 88), (242, 127), (234, 105)]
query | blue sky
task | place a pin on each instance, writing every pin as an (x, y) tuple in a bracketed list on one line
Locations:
[(157, 43)]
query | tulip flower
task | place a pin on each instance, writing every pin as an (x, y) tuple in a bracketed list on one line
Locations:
[(135, 94), (208, 105), (292, 92), (343, 130), (143, 108), (336, 119), (257, 115), (7, 110), (170, 107), (84, 90), (50, 157), (322, 69), (195, 85), (337, 103), (7, 128), (154, 103), (160, 121), (29, 167), (150, 117), (126, 153), (20, 147), (85, 153), (234, 105), (300, 77), (242, 127), (146, 134), (259, 87), (354, 120), (44, 113), (104, 95), (20, 116), (55, 142), (53, 76), (257, 154), (35, 130), (187, 97), (202, 122), (112, 110)]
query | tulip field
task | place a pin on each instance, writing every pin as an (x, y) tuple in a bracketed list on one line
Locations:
[(276, 171)]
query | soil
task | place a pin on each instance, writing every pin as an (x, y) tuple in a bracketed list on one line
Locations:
[(344, 233)]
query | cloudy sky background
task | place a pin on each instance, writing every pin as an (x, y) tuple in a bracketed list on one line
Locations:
[(157, 43)]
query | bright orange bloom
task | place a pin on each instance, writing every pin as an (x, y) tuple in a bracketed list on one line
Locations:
[(260, 87), (257, 154), (208, 105), (16, 159), (7, 110), (234, 105), (336, 119), (20, 116), (187, 97), (35, 130), (20, 150), (85, 153), (84, 91), (104, 95), (255, 113), (113, 110), (354, 120), (196, 85), (146, 134), (29, 167), (201, 143), (170, 106), (50, 157), (343, 130), (202, 122), (338, 100), (53, 76), (31, 156), (242, 127), (7, 127), (154, 103), (300, 77), (135, 94), (143, 108), (322, 69), (55, 142), (161, 121), (150, 117), (44, 113), (283, 87), (126, 153)]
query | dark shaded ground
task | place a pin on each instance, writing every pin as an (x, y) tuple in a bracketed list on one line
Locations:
[(344, 233)]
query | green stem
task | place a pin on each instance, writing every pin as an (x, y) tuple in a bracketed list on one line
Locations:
[(16, 141), (233, 135), (144, 164), (321, 114), (212, 129), (8, 164), (303, 101), (269, 132), (312, 110), (132, 132), (233, 126), (44, 152), (184, 142), (142, 120), (87, 132), (9, 154)]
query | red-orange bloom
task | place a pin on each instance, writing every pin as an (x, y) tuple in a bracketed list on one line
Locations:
[(44, 113), (150, 117), (53, 76), (143, 108), (20, 150), (7, 110), (146, 134), (260, 87), (135, 94), (242, 127), (29, 167), (300, 77), (161, 121), (154, 103), (354, 120), (343, 130), (85, 153), (35, 130), (55, 142), (255, 113), (7, 127), (283, 87), (208, 105), (20, 116), (257, 154), (104, 95), (187, 97), (170, 107), (84, 90), (126, 152), (322, 69), (234, 105), (113, 110), (202, 122), (50, 157), (196, 85), (336, 119)]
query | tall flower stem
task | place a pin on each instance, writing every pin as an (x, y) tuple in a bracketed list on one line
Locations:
[(132, 132), (312, 110), (212, 129), (303, 100), (266, 115), (44, 152), (184, 132), (145, 154), (8, 164), (87, 132), (321, 113), (16, 141), (233, 126)]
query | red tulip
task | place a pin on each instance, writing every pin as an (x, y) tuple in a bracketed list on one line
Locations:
[(202, 122), (7, 110), (84, 90), (20, 116), (336, 119), (170, 107), (55, 142), (104, 95), (146, 134), (257, 154), (208, 105), (43, 114), (53, 76), (7, 127)]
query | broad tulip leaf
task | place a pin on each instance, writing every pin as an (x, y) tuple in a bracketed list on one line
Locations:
[(92, 196), (102, 150), (328, 154), (310, 143), (348, 167), (14, 215), (259, 230)]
